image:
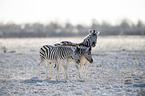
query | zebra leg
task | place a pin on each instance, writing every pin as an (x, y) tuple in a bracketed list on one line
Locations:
[(81, 64), (47, 65), (78, 70), (68, 61), (51, 70), (66, 68), (85, 66), (58, 64), (40, 64), (64, 75)]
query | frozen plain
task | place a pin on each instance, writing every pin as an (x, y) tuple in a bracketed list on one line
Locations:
[(118, 68)]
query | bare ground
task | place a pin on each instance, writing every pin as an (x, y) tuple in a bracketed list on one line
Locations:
[(118, 68)]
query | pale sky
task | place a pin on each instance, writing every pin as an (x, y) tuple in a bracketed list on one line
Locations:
[(73, 11)]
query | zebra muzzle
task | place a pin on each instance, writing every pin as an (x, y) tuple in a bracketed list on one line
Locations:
[(91, 61)]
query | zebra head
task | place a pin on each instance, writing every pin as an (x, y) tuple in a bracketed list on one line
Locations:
[(82, 51), (91, 39), (87, 54), (76, 54)]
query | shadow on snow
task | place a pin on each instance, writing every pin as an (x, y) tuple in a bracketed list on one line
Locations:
[(37, 80)]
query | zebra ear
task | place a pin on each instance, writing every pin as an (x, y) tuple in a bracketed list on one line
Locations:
[(98, 32), (90, 30), (94, 31)]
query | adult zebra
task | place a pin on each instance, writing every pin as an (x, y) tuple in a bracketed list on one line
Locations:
[(56, 54), (89, 41)]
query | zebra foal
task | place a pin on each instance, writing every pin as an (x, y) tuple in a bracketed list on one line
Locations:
[(85, 52), (56, 54)]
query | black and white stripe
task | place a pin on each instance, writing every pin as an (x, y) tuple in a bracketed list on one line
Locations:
[(53, 52), (56, 54), (89, 41)]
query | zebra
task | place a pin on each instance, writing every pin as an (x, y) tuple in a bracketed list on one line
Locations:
[(84, 52), (56, 54), (89, 41)]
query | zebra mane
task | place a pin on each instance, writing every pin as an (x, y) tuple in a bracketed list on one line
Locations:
[(68, 43), (74, 44)]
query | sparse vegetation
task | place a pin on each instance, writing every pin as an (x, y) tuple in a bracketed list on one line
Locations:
[(54, 29)]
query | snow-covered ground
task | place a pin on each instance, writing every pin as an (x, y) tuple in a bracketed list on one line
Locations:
[(118, 68)]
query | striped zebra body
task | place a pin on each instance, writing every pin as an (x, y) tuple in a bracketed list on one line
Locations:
[(53, 52), (85, 57), (56, 54)]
